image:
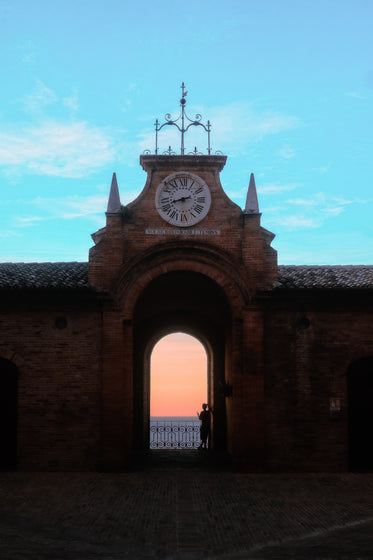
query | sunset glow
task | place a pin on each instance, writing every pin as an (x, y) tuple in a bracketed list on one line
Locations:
[(178, 376)]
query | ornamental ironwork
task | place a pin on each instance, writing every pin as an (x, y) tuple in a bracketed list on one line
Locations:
[(175, 434), (183, 123)]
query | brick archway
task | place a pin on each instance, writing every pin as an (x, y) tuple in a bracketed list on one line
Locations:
[(189, 302), (196, 289), (200, 258)]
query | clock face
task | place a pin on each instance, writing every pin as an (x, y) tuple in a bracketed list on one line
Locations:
[(182, 199)]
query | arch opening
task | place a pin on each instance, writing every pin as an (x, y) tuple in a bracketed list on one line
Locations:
[(360, 415), (178, 385), (179, 377), (191, 303)]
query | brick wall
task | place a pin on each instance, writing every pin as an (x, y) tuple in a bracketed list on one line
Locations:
[(309, 346), (59, 380)]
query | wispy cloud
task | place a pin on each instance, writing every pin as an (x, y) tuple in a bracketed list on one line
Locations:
[(39, 98), (72, 101), (239, 122), (68, 208), (27, 221), (274, 188), (61, 146), (297, 222), (322, 169), (29, 54), (71, 206), (91, 208), (8, 234), (42, 96), (321, 201), (286, 152), (311, 212), (57, 149), (126, 100), (356, 94)]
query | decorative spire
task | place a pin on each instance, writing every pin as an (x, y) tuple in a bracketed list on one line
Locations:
[(114, 206), (251, 206), (181, 123)]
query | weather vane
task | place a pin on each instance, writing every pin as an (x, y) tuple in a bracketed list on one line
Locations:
[(182, 123)]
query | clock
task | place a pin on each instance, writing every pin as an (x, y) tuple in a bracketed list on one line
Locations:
[(182, 199)]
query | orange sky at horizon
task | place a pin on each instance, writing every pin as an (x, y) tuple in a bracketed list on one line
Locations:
[(178, 383)]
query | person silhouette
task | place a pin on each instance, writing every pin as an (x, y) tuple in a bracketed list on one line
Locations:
[(205, 418)]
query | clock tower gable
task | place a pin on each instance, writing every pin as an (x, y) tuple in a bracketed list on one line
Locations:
[(183, 203)]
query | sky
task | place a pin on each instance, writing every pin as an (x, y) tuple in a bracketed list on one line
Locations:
[(287, 86), (173, 391)]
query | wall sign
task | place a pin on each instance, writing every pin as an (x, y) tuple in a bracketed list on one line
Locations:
[(335, 405), (184, 232)]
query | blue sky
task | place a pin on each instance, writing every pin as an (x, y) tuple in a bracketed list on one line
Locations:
[(287, 86)]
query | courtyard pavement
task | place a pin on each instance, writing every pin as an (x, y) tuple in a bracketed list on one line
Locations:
[(177, 507)]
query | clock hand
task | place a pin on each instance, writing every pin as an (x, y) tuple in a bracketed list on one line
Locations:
[(182, 199)]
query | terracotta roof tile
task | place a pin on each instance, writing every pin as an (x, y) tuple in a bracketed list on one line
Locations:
[(74, 275), (322, 277), (60, 275)]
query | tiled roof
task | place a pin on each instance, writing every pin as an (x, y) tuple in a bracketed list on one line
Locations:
[(323, 277), (60, 275), (74, 275)]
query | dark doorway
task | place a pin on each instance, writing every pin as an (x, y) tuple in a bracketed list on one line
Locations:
[(8, 415), (360, 406)]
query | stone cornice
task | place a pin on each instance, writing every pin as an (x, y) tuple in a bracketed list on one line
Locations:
[(151, 162)]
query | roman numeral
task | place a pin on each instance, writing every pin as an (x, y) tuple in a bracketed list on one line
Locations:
[(198, 208), (164, 200), (173, 184), (199, 190), (184, 218), (201, 199), (166, 207), (183, 181)]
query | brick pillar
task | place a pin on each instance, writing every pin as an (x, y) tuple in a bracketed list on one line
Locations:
[(116, 432), (106, 257), (248, 438), (128, 391)]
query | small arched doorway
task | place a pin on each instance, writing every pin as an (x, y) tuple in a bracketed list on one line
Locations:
[(360, 415), (8, 415)]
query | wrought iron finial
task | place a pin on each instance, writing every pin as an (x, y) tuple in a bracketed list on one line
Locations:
[(169, 152), (195, 152), (183, 126)]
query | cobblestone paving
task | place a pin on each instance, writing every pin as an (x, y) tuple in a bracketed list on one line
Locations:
[(182, 514)]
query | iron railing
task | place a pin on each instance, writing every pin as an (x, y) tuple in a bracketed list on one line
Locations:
[(174, 434)]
